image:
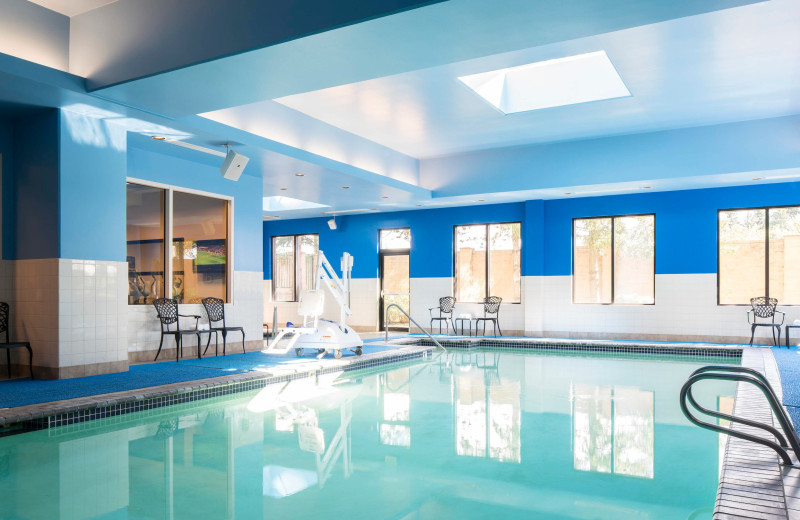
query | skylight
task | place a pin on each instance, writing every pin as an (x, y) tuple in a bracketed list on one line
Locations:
[(551, 83), (279, 203)]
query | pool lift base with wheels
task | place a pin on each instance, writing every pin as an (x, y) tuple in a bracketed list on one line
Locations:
[(323, 335)]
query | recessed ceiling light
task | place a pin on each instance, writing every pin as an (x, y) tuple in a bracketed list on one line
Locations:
[(345, 187), (384, 197), (267, 217), (418, 205), (158, 138), (757, 178), (646, 187), (299, 174), (567, 193), (551, 83), (480, 200), (284, 189), (373, 209)]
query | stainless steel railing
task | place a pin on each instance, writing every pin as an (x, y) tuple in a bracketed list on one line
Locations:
[(744, 375), (386, 313)]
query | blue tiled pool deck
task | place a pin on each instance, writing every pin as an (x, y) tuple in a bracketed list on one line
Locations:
[(22, 392)]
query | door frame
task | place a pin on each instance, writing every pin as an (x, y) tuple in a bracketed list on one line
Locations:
[(381, 310)]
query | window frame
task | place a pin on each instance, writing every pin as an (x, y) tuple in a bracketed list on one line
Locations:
[(296, 292), (766, 252), (613, 258), (488, 261), (169, 189)]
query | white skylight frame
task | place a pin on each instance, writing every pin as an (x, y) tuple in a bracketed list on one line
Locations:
[(548, 84)]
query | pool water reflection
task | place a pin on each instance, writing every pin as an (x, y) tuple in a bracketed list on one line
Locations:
[(465, 435)]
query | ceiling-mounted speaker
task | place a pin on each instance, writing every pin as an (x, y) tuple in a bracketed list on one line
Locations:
[(233, 166)]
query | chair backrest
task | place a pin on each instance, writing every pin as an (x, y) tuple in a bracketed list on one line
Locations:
[(167, 309), (4, 318), (446, 304), (491, 304), (764, 307), (215, 308), (312, 303)]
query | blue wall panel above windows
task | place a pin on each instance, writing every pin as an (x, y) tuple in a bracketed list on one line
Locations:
[(686, 229), (686, 222), (431, 236)]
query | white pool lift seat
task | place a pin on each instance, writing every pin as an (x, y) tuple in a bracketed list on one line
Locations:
[(324, 335)]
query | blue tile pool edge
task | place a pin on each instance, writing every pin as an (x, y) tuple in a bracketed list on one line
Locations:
[(105, 408), (25, 421)]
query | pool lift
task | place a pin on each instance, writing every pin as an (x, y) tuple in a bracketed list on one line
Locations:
[(324, 335)]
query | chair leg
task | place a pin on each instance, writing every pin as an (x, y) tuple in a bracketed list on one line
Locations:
[(224, 340), (160, 344), (30, 359), (773, 336), (498, 326), (198, 345), (208, 343), (752, 333), (779, 337), (177, 347), (243, 350), (8, 360)]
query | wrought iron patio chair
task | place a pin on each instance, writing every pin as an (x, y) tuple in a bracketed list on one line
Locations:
[(491, 312), (215, 308), (5, 321), (445, 313), (763, 308), (167, 309)]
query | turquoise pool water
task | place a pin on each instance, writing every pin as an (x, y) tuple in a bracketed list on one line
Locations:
[(468, 435)]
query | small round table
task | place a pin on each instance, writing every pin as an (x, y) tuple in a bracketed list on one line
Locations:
[(788, 328), (469, 321)]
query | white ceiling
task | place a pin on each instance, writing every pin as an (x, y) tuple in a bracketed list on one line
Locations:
[(731, 65), (72, 7)]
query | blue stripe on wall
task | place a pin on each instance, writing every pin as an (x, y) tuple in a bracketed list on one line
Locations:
[(431, 236), (686, 229)]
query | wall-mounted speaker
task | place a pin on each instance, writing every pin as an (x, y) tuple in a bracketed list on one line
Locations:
[(234, 165)]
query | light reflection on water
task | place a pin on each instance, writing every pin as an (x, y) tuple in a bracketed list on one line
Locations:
[(471, 435)]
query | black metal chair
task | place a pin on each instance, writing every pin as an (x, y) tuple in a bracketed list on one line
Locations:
[(445, 308), (5, 320), (167, 309), (491, 305), (215, 308), (765, 309)]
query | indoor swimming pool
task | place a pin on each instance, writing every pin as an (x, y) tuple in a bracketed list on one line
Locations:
[(472, 434)]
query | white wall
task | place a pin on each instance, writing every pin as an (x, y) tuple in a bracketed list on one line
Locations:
[(686, 310)]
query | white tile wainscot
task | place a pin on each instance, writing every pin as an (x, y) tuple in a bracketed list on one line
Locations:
[(144, 331)]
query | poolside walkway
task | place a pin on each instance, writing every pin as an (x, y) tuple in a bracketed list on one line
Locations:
[(25, 391)]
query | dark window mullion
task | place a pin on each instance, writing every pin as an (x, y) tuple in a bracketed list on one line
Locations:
[(766, 253), (488, 256), (613, 257)]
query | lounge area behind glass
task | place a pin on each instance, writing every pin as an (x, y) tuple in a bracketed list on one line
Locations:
[(197, 265)]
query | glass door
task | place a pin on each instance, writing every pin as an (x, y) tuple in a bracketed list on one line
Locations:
[(394, 261)]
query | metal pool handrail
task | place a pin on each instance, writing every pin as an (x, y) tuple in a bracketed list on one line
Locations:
[(744, 375), (412, 321)]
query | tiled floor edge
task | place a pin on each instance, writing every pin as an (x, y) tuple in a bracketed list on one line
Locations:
[(750, 482), (73, 411)]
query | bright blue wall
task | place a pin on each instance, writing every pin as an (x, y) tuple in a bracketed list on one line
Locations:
[(246, 192), (92, 169), (36, 187), (686, 222), (431, 236), (9, 199), (686, 229)]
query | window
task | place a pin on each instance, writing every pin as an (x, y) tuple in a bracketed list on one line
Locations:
[(197, 263), (757, 249), (613, 260), (294, 262), (392, 239), (488, 262)]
